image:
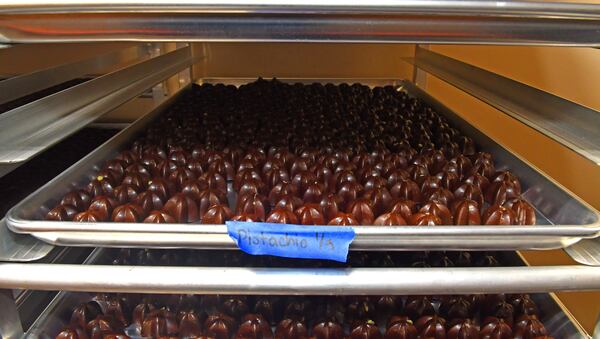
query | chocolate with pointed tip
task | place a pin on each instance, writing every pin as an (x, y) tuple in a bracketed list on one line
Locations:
[(182, 207)]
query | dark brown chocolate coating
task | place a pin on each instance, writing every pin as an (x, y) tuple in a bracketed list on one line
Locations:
[(495, 328), (150, 201), (217, 214), (390, 219), (282, 189), (80, 200), (380, 199), (291, 329), (440, 210), (362, 211), (418, 306), (524, 212), (128, 213), (343, 219), (328, 330), (219, 326), (401, 329), (289, 202), (314, 193), (254, 326), (84, 313), (160, 322), (431, 326), (500, 192), (125, 193), (406, 189), (253, 204), (455, 307), (140, 312), (215, 181), (470, 192), (159, 217), (528, 327), (163, 187), (245, 217), (73, 332), (89, 216), (466, 212), (252, 186), (523, 305), (183, 208), (282, 216), (100, 326), (365, 330), (189, 324), (462, 329), (61, 213), (208, 198), (498, 215), (348, 192), (425, 219), (405, 208), (193, 188), (139, 181), (310, 214), (329, 205)]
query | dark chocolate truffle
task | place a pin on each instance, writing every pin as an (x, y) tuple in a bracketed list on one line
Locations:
[(160, 322), (406, 189), (362, 211), (402, 329), (498, 215), (310, 214), (217, 214), (438, 209), (431, 326), (183, 208), (466, 212), (61, 213), (128, 213), (282, 216), (425, 219), (343, 219), (418, 306), (462, 329), (495, 328), (524, 212), (291, 329), (365, 330), (89, 216), (328, 330), (390, 219), (80, 200)]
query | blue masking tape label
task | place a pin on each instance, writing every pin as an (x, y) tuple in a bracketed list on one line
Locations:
[(292, 241)]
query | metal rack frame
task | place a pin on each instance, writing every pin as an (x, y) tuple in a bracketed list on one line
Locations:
[(379, 21)]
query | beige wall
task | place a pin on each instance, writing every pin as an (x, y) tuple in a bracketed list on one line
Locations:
[(288, 60), (567, 72)]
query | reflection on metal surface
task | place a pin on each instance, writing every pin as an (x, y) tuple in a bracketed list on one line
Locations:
[(20, 247), (10, 324), (23, 85), (586, 251), (324, 281), (564, 218), (572, 125), (437, 21), (29, 129)]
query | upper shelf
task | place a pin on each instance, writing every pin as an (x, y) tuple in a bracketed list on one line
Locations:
[(438, 21)]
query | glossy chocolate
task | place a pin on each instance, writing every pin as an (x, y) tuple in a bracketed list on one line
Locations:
[(160, 322), (401, 329), (328, 330), (90, 216), (431, 326), (291, 329), (466, 212), (362, 211), (217, 214), (498, 215), (390, 219), (524, 212), (438, 209), (128, 213), (61, 213), (310, 214), (183, 208), (282, 216), (159, 217), (406, 189), (343, 219)]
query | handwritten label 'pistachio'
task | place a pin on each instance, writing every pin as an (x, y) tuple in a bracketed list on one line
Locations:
[(292, 241)]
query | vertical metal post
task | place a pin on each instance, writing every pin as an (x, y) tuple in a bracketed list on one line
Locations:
[(419, 76), (10, 321)]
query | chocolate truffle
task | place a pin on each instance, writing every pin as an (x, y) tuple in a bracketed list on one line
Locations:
[(291, 329), (182, 207), (189, 324), (390, 219), (140, 312), (528, 327), (310, 214), (61, 213), (163, 187), (380, 199), (276, 175), (89, 216), (160, 322), (343, 219), (125, 193), (524, 212), (348, 192), (405, 208), (302, 180), (150, 201), (498, 215), (463, 165), (462, 329), (440, 195), (365, 330), (478, 180), (289, 202), (431, 326), (438, 209), (103, 205), (223, 167), (128, 213), (523, 305), (219, 326), (166, 167), (328, 330), (418, 173), (84, 313), (100, 326), (217, 214), (455, 307), (469, 191), (254, 326), (402, 329), (180, 176), (208, 198), (418, 306), (136, 180), (193, 188), (425, 219), (330, 206), (280, 190), (495, 328), (73, 332), (449, 180), (282, 216), (253, 204), (314, 193), (362, 211), (500, 192), (94, 188), (215, 181), (80, 200), (159, 217), (406, 189), (430, 183), (466, 212)]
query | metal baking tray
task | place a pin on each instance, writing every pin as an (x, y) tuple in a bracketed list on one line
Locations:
[(563, 218), (557, 319)]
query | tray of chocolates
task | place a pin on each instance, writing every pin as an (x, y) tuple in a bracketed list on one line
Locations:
[(100, 315), (392, 162)]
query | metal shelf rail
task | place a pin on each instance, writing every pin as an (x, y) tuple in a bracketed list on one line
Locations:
[(29, 129), (437, 21)]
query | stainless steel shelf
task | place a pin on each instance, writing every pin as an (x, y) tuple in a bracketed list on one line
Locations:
[(27, 130), (296, 281), (438, 21), (575, 126)]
